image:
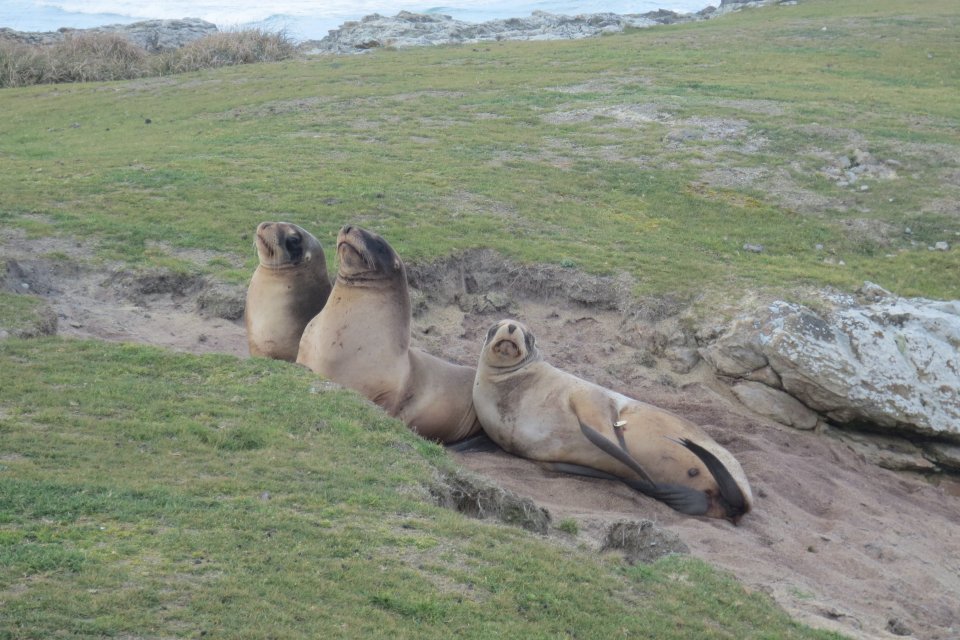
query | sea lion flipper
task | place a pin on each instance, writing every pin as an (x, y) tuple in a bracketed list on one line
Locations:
[(683, 499), (480, 443), (579, 470), (729, 489), (613, 450)]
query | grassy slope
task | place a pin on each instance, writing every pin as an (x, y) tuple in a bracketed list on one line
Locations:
[(150, 494), (519, 146), (132, 481)]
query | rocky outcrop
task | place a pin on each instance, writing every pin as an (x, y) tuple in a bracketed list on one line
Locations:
[(875, 361), (413, 29), (151, 35)]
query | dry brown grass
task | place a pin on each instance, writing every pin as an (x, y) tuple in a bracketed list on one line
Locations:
[(83, 57)]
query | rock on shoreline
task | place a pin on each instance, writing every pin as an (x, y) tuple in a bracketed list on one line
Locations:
[(153, 36), (408, 29)]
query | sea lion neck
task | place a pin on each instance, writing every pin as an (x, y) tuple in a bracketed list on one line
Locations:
[(531, 358)]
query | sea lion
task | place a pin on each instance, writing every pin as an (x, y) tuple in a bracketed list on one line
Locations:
[(288, 288), (534, 410), (361, 340)]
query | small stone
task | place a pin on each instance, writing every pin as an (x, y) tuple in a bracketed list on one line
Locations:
[(753, 248), (818, 247), (941, 246), (898, 628)]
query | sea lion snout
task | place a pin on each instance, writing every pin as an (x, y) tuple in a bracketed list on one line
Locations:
[(507, 349)]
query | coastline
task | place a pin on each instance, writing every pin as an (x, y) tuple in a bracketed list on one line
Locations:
[(406, 29)]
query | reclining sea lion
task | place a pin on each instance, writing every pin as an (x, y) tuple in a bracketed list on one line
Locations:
[(534, 410)]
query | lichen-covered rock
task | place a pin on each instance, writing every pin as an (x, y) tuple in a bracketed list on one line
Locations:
[(891, 363), (408, 29), (775, 404)]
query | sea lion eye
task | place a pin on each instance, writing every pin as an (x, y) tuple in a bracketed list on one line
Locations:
[(293, 243), (529, 340), (492, 331)]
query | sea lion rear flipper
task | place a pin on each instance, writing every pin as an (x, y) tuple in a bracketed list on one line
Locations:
[(729, 489), (613, 450)]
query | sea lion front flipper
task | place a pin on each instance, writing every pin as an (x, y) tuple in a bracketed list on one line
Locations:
[(579, 470), (613, 450), (480, 443), (683, 499)]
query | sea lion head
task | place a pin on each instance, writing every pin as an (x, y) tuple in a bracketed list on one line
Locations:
[(282, 245), (509, 345), (365, 256)]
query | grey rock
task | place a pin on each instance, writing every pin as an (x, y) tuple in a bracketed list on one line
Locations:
[(891, 364), (408, 29), (681, 359), (776, 405), (941, 246), (945, 455), (889, 452)]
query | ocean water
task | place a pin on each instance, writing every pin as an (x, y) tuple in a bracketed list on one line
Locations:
[(301, 19)]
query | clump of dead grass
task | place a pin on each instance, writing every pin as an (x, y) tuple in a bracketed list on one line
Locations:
[(95, 57)]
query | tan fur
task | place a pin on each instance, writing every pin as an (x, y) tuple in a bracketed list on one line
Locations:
[(361, 340), (287, 289), (534, 410)]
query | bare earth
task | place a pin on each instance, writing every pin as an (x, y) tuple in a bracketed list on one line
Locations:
[(839, 543)]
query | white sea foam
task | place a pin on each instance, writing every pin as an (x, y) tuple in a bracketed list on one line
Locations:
[(301, 19)]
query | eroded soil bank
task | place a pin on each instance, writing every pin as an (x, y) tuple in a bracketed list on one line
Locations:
[(837, 541)]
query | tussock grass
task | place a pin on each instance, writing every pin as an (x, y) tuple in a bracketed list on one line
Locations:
[(89, 57)]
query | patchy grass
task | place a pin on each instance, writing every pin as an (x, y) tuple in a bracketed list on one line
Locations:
[(660, 152), (149, 493)]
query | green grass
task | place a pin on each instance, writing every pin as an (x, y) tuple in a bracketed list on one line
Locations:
[(151, 494), (540, 150)]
